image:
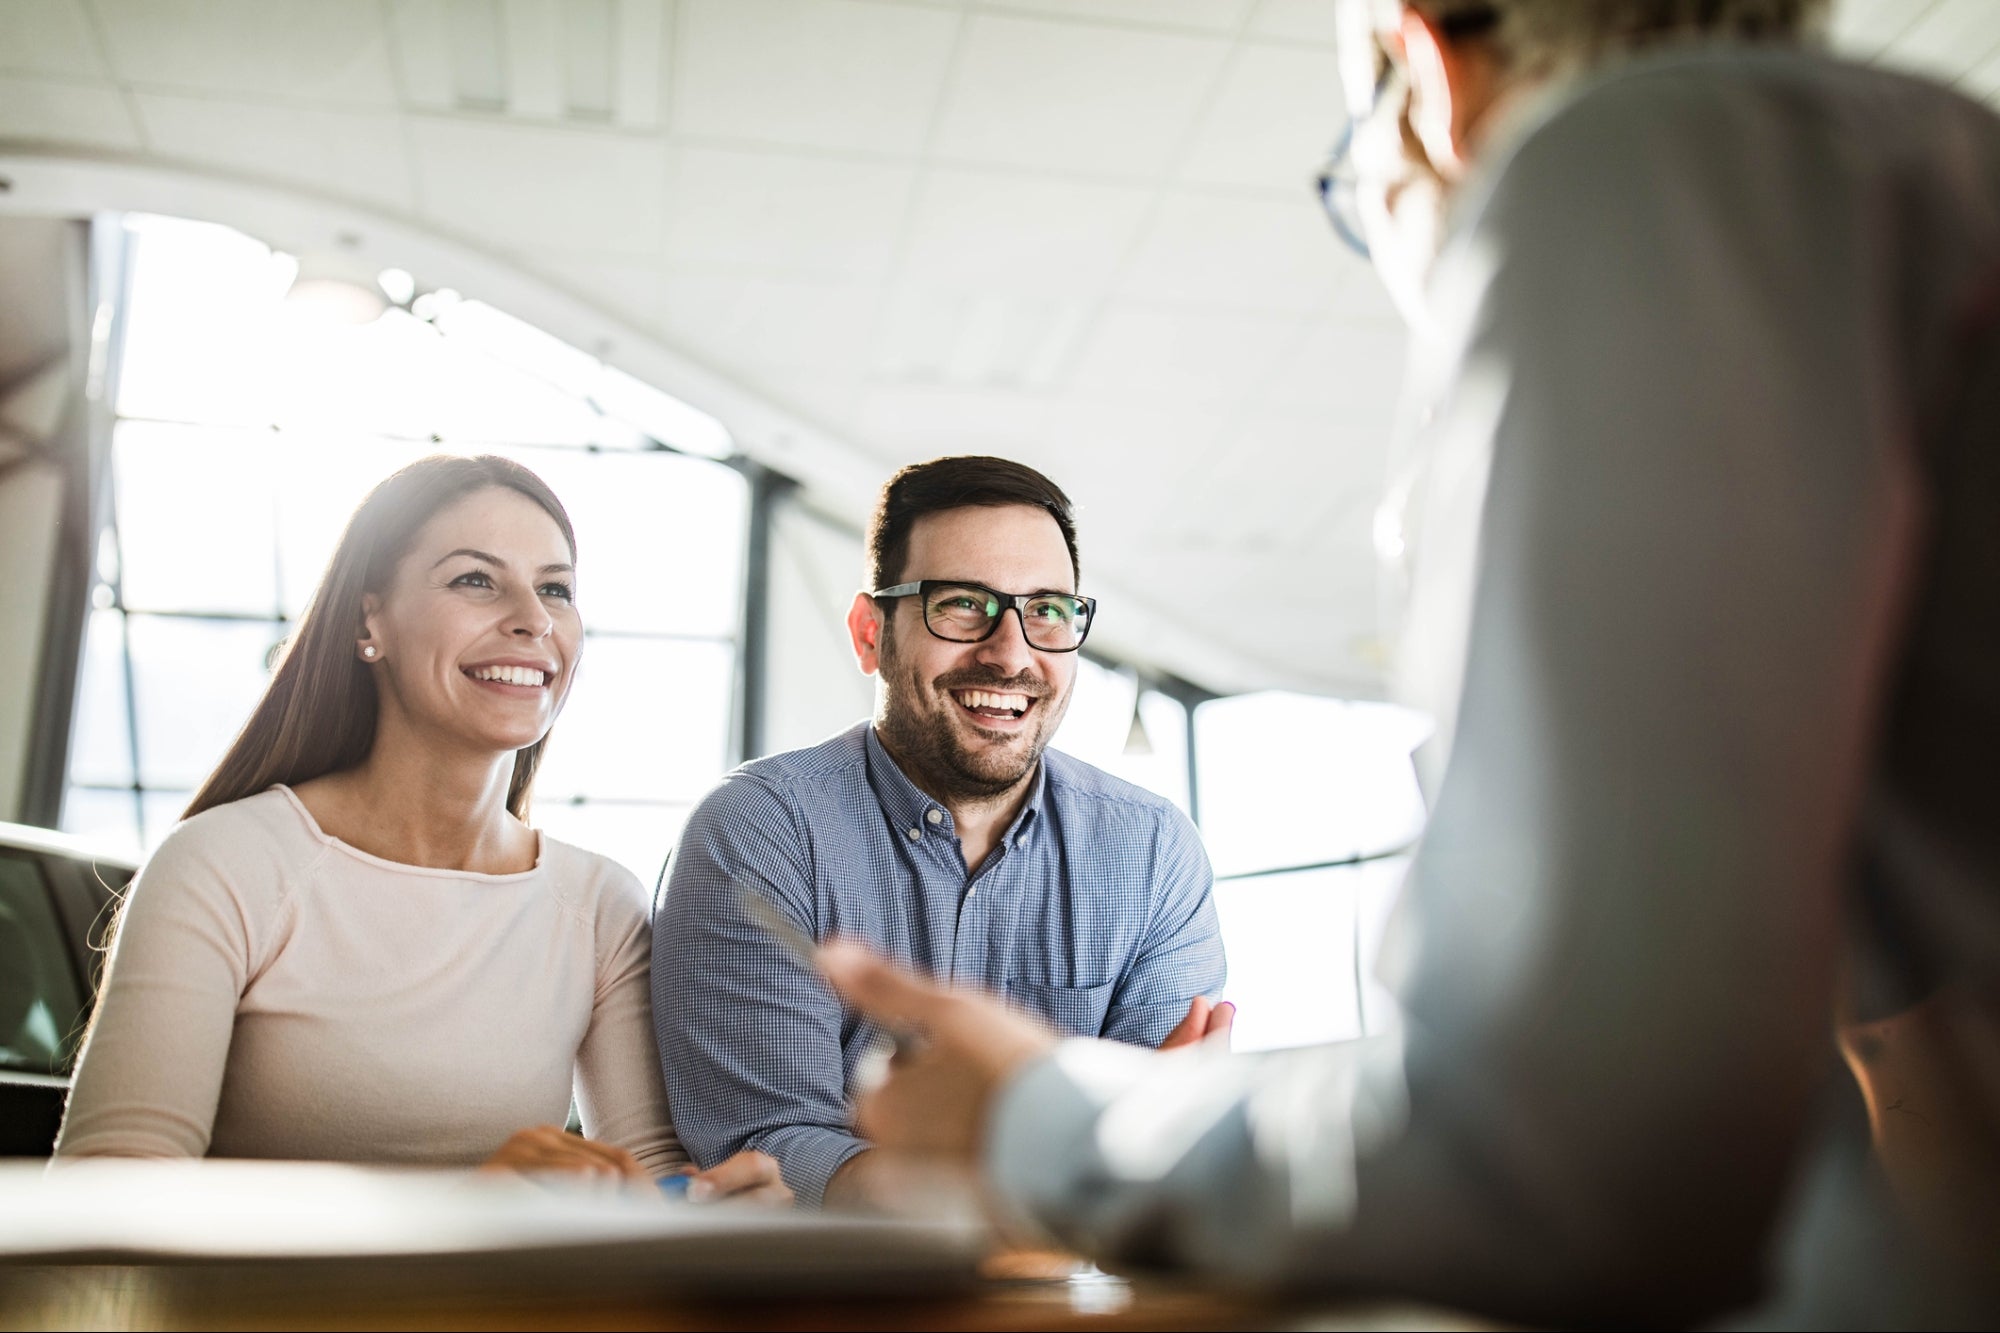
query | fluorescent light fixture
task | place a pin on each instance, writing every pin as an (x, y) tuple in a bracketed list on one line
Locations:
[(336, 288), (688, 430)]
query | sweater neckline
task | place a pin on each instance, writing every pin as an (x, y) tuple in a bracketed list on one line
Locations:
[(326, 839)]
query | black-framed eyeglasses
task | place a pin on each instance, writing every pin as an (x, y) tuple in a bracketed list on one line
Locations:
[(961, 612)]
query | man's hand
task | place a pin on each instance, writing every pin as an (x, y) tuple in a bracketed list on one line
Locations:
[(939, 1089), (748, 1177), (1205, 1020)]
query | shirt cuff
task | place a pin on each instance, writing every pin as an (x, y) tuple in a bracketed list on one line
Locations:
[(1041, 1141), (808, 1155)]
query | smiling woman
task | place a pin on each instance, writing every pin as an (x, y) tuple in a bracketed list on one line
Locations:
[(355, 947)]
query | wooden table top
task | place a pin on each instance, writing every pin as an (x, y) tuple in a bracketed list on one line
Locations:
[(182, 1298)]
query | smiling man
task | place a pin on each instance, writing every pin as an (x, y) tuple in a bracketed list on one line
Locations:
[(944, 833)]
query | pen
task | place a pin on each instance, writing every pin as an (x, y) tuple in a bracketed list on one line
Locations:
[(873, 1066)]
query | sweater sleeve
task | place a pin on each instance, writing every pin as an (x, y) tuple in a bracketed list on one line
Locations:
[(150, 1073), (619, 1092)]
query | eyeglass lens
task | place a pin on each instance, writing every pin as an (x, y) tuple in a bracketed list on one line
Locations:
[(966, 614)]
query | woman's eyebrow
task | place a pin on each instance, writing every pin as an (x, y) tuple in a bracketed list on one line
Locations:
[(476, 555), (559, 569)]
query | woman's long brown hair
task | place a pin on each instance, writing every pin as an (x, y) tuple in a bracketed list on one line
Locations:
[(318, 714)]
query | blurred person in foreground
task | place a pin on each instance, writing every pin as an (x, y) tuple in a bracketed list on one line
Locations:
[(945, 832), (1698, 521), (354, 947)]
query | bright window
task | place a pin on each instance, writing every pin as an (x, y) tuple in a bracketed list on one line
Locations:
[(246, 434)]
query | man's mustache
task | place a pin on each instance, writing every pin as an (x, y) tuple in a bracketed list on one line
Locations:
[(1031, 686)]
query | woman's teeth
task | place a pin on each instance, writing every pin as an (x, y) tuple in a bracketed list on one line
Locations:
[(1016, 704), (508, 675)]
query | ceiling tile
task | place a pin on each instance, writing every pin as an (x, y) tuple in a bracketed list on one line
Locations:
[(44, 110), (1952, 39), (632, 292), (784, 213), (1018, 233), (1210, 15), (527, 187), (766, 324), (1279, 111), (1307, 21), (1353, 368), (300, 50), (48, 37), (1175, 358), (1063, 95), (356, 154), (993, 339), (822, 73), (1864, 27), (1255, 253), (918, 423)]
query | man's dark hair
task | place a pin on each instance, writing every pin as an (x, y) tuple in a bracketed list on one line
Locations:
[(956, 483)]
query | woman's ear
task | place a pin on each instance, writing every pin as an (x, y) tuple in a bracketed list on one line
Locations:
[(368, 639)]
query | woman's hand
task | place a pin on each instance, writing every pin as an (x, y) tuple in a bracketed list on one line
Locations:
[(748, 1177), (551, 1148)]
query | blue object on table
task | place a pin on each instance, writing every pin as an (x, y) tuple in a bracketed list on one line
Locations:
[(674, 1187)]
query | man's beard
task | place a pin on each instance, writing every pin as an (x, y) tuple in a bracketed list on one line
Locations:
[(930, 749)]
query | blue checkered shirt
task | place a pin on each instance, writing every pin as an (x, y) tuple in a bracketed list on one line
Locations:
[(1095, 911)]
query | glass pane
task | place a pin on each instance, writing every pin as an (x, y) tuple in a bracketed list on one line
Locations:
[(1098, 730), (196, 682), (199, 336), (1292, 779), (196, 518), (636, 835), (660, 538), (399, 376), (159, 811), (1297, 966), (321, 479), (40, 1003), (648, 719), (110, 819), (100, 749)]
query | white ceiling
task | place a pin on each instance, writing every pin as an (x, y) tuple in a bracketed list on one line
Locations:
[(1077, 232)]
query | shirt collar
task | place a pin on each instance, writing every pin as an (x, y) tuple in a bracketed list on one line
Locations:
[(909, 807)]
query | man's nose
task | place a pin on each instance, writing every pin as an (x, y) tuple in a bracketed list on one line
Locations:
[(1007, 648)]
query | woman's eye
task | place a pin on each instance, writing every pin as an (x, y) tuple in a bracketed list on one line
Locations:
[(562, 590), (473, 579)]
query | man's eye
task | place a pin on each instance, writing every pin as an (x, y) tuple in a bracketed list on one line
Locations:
[(1054, 612)]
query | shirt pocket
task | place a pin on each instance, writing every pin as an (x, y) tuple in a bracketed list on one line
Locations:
[(1077, 1010)]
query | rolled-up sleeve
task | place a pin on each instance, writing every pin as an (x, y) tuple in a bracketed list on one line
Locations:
[(1182, 954), (749, 1035)]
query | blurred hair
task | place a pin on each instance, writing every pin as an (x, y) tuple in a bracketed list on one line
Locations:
[(956, 483), (1540, 36), (317, 715)]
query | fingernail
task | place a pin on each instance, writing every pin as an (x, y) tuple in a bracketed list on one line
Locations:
[(700, 1191)]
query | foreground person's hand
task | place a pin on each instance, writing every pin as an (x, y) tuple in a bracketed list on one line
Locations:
[(748, 1177), (552, 1148), (1206, 1020), (939, 1088)]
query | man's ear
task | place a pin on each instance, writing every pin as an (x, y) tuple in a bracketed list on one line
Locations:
[(864, 631), (1453, 84)]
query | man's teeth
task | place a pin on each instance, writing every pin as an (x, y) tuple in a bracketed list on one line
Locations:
[(510, 675), (987, 699)]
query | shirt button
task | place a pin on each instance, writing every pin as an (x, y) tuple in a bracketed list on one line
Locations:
[(935, 816), (1020, 843), (916, 834)]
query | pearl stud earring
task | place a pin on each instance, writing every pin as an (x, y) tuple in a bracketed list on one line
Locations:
[(369, 651)]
